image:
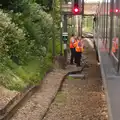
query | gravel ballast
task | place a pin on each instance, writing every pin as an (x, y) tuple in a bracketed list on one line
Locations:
[(81, 99), (5, 96), (77, 100)]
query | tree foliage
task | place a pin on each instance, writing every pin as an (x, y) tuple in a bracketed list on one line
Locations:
[(26, 40), (12, 38), (46, 4)]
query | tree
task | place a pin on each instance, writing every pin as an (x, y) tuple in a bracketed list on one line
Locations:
[(4, 3), (46, 4)]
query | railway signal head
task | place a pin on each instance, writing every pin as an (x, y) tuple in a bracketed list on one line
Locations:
[(116, 10), (76, 9)]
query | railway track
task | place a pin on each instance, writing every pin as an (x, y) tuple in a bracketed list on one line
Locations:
[(59, 88), (29, 95), (10, 109), (14, 104)]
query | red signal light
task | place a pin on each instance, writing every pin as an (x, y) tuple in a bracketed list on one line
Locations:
[(76, 9), (116, 10)]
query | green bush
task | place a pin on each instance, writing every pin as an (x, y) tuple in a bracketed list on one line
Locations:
[(26, 45), (12, 39)]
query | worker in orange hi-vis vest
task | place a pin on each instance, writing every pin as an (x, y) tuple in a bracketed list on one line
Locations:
[(78, 50), (115, 45), (72, 49)]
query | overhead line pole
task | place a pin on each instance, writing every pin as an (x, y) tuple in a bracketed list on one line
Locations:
[(53, 29), (61, 27), (65, 42), (111, 25), (79, 20), (82, 16)]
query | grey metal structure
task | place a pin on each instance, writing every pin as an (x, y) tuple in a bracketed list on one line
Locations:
[(107, 42), (53, 30)]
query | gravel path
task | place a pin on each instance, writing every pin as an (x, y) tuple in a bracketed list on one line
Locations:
[(81, 99), (37, 105), (5, 96)]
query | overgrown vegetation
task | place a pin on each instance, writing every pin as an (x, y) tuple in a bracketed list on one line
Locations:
[(26, 41)]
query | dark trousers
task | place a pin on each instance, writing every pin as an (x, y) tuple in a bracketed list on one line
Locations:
[(78, 58), (72, 55)]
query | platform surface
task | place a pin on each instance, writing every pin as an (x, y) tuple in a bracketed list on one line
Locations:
[(111, 80)]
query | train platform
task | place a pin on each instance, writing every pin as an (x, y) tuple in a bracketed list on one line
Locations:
[(111, 80)]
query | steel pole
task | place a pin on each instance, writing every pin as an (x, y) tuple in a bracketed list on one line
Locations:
[(73, 25), (111, 24), (65, 42), (61, 28), (53, 28), (79, 28), (79, 20), (82, 16), (106, 26)]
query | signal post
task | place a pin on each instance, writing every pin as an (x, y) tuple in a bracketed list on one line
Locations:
[(65, 36), (76, 9)]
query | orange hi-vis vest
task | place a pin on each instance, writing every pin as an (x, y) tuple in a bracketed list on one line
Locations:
[(78, 46), (72, 41), (115, 45)]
